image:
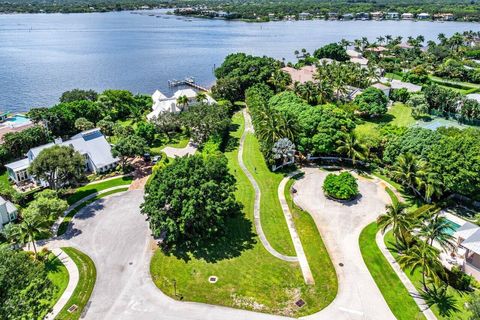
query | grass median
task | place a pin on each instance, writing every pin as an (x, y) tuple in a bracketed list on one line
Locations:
[(92, 188), (396, 295), (86, 282)]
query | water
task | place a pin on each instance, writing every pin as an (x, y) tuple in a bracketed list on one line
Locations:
[(452, 227), (43, 55), (17, 119)]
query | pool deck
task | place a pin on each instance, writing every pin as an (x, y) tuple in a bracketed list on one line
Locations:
[(7, 129)]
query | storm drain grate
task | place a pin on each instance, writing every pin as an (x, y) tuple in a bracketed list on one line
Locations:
[(300, 303), (73, 308)]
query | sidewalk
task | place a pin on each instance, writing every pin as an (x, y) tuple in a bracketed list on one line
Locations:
[(72, 283)]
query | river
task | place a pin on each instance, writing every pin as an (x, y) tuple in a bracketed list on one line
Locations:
[(43, 55)]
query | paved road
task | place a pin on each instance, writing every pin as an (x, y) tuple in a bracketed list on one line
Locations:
[(116, 236), (358, 296), (173, 152)]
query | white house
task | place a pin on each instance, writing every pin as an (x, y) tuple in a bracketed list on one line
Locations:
[(8, 212), (408, 16), (423, 16), (468, 244), (380, 86), (161, 103), (91, 144)]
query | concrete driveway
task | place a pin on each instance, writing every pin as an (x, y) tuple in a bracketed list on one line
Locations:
[(340, 226), (117, 238)]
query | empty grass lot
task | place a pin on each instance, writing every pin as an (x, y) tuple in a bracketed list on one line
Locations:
[(396, 295), (86, 282), (252, 278)]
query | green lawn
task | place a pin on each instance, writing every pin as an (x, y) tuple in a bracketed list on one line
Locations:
[(396, 295), (416, 277), (58, 275), (4, 184), (176, 141), (272, 218), (90, 188), (399, 114), (393, 76), (86, 282), (252, 279), (62, 228)]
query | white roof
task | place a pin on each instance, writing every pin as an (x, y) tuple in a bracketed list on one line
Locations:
[(466, 230), (157, 95), (8, 205), (18, 165), (353, 54), (380, 86), (397, 84), (189, 93), (473, 242), (360, 60), (474, 96)]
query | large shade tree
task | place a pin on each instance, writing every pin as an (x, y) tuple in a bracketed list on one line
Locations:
[(58, 166), (189, 201)]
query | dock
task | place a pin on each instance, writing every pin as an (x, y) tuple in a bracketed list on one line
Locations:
[(188, 81)]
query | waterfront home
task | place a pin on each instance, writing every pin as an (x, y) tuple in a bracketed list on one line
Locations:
[(3, 116), (91, 144), (347, 16), (408, 16), (332, 16), (354, 54), (443, 17), (378, 49), (301, 75), (397, 84), (392, 16), (362, 16), (378, 15), (304, 16), (8, 212), (361, 61), (423, 16), (161, 103)]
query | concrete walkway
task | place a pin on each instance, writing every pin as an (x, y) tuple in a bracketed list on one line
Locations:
[(340, 224), (173, 152), (302, 259), (258, 196), (57, 223), (72, 283), (427, 312)]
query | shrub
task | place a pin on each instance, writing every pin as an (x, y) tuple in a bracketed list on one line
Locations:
[(343, 186), (372, 102), (400, 95), (458, 279)]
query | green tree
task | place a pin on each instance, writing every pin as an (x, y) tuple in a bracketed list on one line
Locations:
[(106, 126), (48, 204), (372, 102), (183, 101), (333, 51), (474, 306), (228, 89), (424, 257), (31, 227), (409, 171), (146, 130), (398, 219), (419, 105), (129, 147), (118, 104), (58, 166), (342, 186), (189, 201), (437, 229), (351, 147), (280, 80), (166, 123), (25, 289), (83, 124), (205, 120), (201, 96), (77, 95)]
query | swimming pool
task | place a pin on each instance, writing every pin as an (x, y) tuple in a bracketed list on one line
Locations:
[(452, 227), (17, 119)]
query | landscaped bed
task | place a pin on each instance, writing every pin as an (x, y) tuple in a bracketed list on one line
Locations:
[(252, 279), (86, 282)]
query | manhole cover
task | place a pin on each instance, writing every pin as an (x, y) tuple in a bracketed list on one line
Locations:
[(212, 279), (341, 264), (300, 303), (73, 308)]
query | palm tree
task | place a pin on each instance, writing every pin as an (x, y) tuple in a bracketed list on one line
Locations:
[(280, 80), (440, 297), (351, 147), (380, 39), (31, 227), (396, 218), (344, 43), (422, 256), (183, 102), (437, 229), (432, 185), (409, 170), (201, 96)]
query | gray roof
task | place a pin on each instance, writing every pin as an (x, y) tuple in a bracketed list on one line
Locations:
[(18, 165), (473, 242), (466, 230), (8, 205), (91, 142), (474, 96)]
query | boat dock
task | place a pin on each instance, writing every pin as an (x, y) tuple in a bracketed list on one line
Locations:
[(188, 81)]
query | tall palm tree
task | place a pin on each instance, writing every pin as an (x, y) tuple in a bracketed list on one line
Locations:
[(344, 43), (409, 170), (183, 102), (351, 147), (424, 257), (437, 229), (280, 80), (397, 218), (31, 227), (431, 185), (201, 96)]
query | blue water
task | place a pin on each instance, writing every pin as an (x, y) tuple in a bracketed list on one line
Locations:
[(43, 55), (453, 227), (18, 119)]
